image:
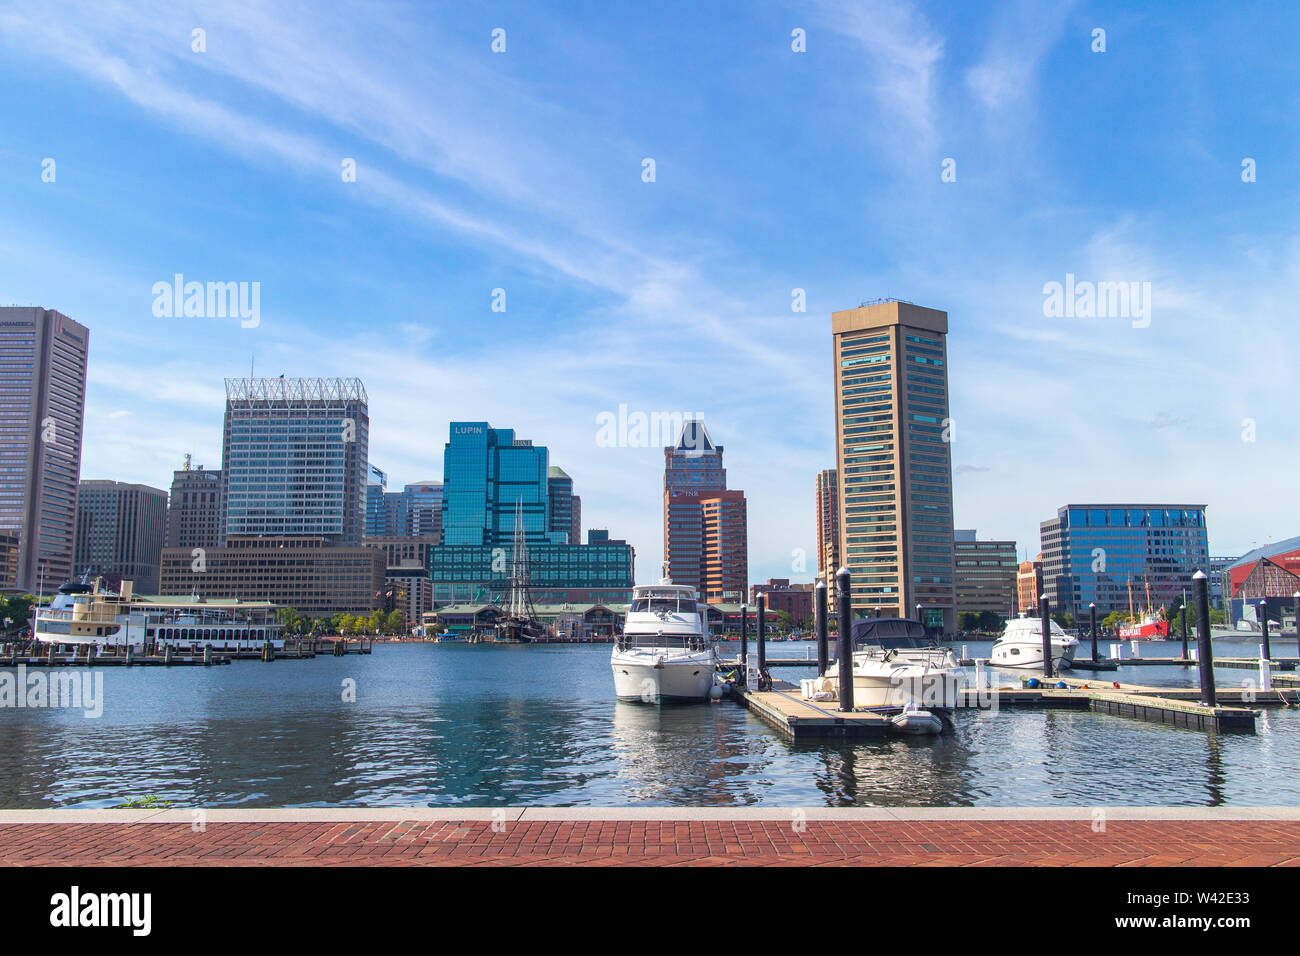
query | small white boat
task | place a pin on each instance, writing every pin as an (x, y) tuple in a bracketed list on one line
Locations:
[(1021, 645), (664, 653), (895, 663), (916, 722)]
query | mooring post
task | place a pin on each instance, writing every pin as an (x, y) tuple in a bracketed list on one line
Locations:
[(1263, 619), (1204, 645), (1184, 617), (1045, 610), (762, 636), (845, 639), (823, 637), (1092, 628), (744, 644), (1297, 624)]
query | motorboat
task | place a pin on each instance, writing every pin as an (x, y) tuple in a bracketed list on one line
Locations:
[(897, 663), (1021, 645), (664, 653)]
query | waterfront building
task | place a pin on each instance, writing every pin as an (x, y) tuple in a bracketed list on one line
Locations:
[(413, 512), (295, 458), (828, 527), (43, 356), (409, 590), (400, 550), (985, 575), (305, 572), (121, 529), (1103, 553), (8, 563), (1219, 586), (893, 461), (1029, 585), (706, 542), (376, 485), (780, 595), (566, 507), (490, 476), (1270, 572), (194, 508)]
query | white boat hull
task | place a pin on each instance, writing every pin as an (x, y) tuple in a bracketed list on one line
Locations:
[(1025, 655), (659, 677), (917, 723)]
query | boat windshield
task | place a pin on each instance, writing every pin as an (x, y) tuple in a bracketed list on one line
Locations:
[(891, 633), (690, 642), (672, 603)]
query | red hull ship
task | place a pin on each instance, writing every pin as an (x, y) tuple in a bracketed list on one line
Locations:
[(1148, 629)]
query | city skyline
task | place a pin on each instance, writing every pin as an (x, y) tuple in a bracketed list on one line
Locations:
[(676, 294)]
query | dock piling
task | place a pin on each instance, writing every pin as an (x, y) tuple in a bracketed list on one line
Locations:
[(1265, 670), (845, 639), (1204, 647), (1092, 628), (744, 644), (762, 637), (823, 642), (1045, 610), (1263, 620)]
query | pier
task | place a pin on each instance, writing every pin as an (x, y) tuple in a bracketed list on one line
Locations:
[(173, 655)]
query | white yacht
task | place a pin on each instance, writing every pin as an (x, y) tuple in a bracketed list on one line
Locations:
[(1021, 645), (664, 652), (83, 614), (896, 664)]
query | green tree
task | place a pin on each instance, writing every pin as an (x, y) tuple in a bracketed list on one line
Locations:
[(395, 623), (375, 623)]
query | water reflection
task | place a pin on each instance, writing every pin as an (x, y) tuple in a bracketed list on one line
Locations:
[(448, 726)]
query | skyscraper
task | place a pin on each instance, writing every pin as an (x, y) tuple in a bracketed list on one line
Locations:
[(194, 508), (43, 357), (488, 476), (1103, 553), (705, 525), (828, 527), (893, 461), (565, 505), (985, 575), (120, 531), (295, 458)]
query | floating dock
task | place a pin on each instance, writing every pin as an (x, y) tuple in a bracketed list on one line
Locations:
[(794, 718)]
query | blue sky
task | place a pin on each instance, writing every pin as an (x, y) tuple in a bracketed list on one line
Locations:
[(774, 170)]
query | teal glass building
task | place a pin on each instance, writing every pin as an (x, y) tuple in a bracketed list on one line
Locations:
[(489, 476)]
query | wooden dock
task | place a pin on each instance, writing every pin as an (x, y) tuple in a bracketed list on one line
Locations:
[(796, 719)]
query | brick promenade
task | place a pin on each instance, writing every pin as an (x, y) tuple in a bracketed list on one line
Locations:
[(514, 837)]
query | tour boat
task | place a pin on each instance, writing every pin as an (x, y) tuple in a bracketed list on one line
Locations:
[(84, 613), (664, 653), (895, 663), (1021, 644)]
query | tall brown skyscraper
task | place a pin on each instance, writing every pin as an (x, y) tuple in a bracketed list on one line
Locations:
[(828, 526), (893, 458), (43, 383), (706, 543)]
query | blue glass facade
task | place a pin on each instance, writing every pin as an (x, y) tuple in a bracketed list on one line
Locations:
[(488, 473), (1098, 553)]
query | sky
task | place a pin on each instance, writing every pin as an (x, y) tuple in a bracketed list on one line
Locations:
[(962, 157)]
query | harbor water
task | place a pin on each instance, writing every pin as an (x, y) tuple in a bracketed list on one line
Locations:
[(456, 725)]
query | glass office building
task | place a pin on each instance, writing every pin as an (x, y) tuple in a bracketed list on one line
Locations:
[(490, 475), (295, 458), (1099, 553)]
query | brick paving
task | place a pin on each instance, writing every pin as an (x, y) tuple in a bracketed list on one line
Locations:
[(657, 843)]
